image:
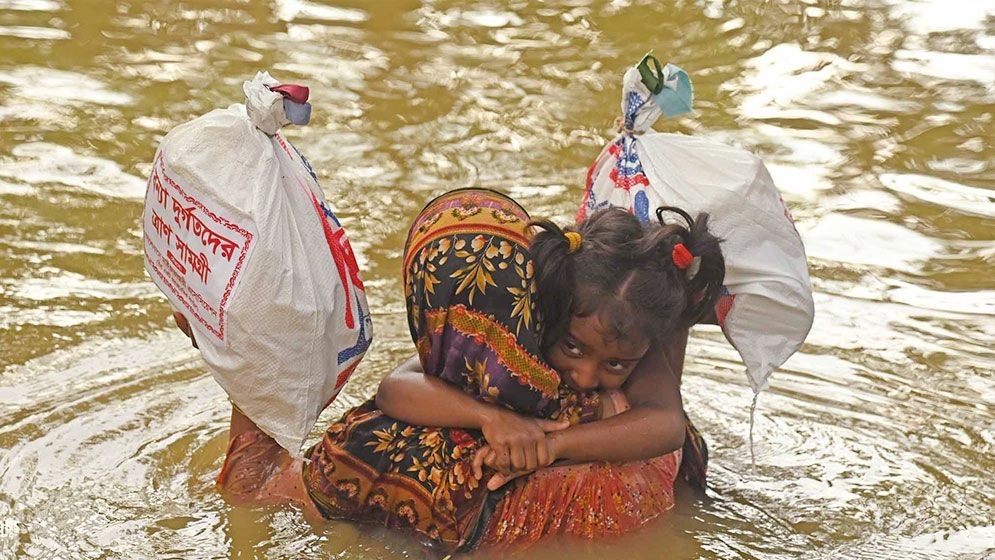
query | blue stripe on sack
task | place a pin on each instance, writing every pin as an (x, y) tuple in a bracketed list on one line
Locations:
[(641, 207), (362, 342)]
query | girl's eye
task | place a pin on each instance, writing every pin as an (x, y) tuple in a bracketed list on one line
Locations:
[(570, 348), (616, 366)]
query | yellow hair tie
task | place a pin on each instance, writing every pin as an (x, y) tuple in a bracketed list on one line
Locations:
[(574, 239)]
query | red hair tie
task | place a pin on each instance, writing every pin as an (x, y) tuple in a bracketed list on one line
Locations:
[(682, 257)]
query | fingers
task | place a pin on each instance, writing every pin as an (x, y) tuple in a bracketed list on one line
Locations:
[(499, 459), (552, 425), (543, 457), (531, 455), (490, 460), (478, 461), (181, 322), (518, 458), (184, 325), (497, 481), (500, 479)]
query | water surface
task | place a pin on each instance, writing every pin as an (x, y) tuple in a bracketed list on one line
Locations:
[(875, 118)]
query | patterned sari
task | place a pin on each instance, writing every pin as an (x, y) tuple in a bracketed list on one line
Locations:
[(472, 314)]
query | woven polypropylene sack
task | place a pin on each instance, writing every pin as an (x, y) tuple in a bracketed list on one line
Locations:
[(239, 237)]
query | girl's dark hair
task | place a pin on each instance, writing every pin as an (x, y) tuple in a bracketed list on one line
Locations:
[(624, 271), (702, 286)]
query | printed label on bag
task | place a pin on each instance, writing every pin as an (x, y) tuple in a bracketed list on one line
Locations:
[(194, 250)]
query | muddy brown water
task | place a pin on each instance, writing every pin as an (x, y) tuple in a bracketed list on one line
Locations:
[(876, 119)]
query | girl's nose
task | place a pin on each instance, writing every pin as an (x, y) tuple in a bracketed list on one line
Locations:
[(585, 378)]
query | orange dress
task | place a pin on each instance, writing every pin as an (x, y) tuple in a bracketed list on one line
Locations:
[(589, 500)]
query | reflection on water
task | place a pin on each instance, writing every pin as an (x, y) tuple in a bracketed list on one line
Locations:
[(876, 121)]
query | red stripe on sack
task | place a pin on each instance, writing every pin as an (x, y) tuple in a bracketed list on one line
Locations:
[(332, 238)]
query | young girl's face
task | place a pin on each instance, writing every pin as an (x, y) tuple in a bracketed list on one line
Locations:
[(589, 356)]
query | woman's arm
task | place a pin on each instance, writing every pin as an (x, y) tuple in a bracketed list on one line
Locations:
[(413, 397)]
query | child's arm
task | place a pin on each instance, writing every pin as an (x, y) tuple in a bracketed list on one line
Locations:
[(409, 395), (653, 426)]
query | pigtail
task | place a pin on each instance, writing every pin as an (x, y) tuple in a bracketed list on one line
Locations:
[(705, 286), (664, 287), (694, 256), (554, 278)]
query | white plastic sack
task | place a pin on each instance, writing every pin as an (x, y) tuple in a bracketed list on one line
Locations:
[(767, 308), (239, 237)]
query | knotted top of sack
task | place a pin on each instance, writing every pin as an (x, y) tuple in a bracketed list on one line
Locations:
[(271, 105), (650, 90)]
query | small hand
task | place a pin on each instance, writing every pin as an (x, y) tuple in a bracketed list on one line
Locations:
[(486, 456), (516, 442)]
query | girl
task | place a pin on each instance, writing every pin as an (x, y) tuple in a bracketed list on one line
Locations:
[(600, 303)]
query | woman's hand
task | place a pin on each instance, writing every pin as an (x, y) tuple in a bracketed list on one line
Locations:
[(184, 325), (516, 442)]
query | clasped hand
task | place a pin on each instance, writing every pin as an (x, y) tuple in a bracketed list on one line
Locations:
[(516, 445)]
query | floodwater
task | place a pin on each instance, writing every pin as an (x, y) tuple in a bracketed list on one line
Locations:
[(875, 118)]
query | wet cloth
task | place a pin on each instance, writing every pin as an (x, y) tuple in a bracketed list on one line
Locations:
[(468, 285), (258, 472)]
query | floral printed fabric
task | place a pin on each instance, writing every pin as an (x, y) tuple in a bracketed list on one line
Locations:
[(370, 467), (471, 302), (471, 310)]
